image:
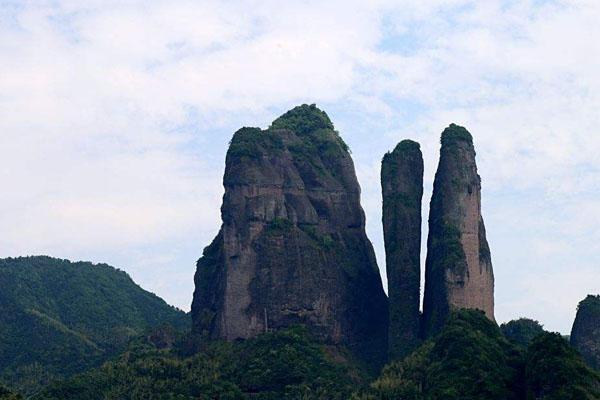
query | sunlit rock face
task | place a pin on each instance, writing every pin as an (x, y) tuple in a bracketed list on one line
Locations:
[(458, 270), (402, 187), (292, 247)]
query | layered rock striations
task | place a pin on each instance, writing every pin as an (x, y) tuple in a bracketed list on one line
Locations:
[(458, 270), (292, 247), (402, 186), (585, 334)]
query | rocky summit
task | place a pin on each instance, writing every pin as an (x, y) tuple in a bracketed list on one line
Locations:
[(292, 247), (458, 269), (402, 186), (585, 334)]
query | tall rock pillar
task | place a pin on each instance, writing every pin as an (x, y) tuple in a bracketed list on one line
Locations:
[(458, 270), (402, 186), (292, 248)]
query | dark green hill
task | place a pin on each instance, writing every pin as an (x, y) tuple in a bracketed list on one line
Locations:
[(60, 317), (288, 364), (470, 359)]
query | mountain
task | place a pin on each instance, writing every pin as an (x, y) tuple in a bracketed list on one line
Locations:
[(402, 187), (470, 359), (585, 334), (458, 268), (60, 317), (292, 248)]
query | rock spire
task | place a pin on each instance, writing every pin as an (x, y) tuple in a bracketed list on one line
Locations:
[(458, 271), (402, 186)]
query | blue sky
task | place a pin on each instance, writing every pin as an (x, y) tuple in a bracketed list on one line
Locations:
[(115, 117)]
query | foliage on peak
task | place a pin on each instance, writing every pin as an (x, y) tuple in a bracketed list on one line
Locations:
[(61, 317), (591, 302), (407, 145), (303, 119), (456, 133), (522, 331)]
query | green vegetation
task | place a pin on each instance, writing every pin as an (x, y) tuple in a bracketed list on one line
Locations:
[(6, 394), (283, 365), (303, 120), (323, 241), (60, 318), (252, 143), (469, 359), (522, 331), (455, 133), (554, 371), (313, 126)]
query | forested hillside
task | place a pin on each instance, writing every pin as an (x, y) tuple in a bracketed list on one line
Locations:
[(60, 317), (470, 359)]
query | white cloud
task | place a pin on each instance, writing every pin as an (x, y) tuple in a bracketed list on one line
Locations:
[(114, 116)]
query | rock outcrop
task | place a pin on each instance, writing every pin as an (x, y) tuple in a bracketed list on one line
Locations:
[(458, 270), (585, 334), (402, 186), (292, 247)]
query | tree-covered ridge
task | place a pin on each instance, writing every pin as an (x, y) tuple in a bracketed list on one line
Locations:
[(287, 364), (470, 359), (522, 331), (61, 317)]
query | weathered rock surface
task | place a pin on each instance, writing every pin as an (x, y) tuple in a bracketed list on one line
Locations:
[(402, 186), (292, 247), (585, 334), (458, 271)]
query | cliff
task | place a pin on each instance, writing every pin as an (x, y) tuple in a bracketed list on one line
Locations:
[(292, 247), (585, 334), (458, 269), (402, 186)]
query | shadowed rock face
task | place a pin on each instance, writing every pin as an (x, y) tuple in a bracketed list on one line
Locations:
[(585, 334), (402, 185), (292, 248), (458, 271)]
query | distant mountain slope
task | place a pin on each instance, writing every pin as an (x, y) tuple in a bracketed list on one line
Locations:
[(59, 317)]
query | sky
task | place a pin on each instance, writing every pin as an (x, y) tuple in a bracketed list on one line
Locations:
[(115, 117)]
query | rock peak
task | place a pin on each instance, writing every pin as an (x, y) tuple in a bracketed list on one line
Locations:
[(585, 334), (458, 272), (303, 119), (402, 188), (456, 133), (292, 248)]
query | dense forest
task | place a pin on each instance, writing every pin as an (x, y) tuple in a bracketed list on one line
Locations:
[(59, 318), (469, 359)]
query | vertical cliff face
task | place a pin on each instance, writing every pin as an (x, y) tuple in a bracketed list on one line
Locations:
[(292, 247), (458, 272), (585, 335), (402, 186)]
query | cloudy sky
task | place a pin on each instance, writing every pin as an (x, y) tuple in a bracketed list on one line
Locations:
[(115, 118)]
